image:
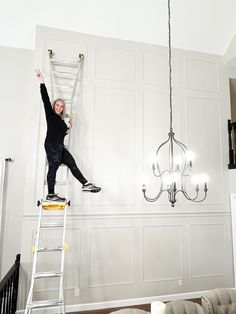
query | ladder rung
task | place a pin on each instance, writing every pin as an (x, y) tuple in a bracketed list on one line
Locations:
[(54, 206), (65, 63), (60, 183), (67, 100), (49, 274), (45, 303), (50, 249), (51, 225), (66, 75), (63, 86)]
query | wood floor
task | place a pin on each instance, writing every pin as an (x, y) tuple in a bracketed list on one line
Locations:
[(145, 307)]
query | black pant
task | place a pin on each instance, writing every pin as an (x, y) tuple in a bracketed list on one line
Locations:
[(57, 154)]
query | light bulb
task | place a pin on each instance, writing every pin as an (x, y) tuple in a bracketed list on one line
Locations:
[(178, 160), (190, 156), (200, 179), (144, 188), (196, 179), (175, 177), (204, 178), (166, 179)]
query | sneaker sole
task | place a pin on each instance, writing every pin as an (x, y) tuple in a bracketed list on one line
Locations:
[(51, 201), (91, 191)]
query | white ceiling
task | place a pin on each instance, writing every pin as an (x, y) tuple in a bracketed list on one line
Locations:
[(200, 25)]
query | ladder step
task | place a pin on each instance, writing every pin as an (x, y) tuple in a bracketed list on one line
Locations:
[(65, 63), (67, 100), (51, 225), (50, 249), (49, 274), (63, 86), (53, 206), (65, 75), (45, 303)]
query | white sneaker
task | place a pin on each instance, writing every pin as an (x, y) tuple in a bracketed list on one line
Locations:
[(90, 187), (54, 198)]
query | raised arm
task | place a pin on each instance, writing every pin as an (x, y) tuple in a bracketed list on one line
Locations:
[(44, 93)]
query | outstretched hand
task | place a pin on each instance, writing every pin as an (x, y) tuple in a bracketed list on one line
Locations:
[(72, 118), (39, 75)]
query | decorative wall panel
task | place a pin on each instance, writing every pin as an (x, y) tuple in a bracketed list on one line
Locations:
[(156, 71), (202, 75), (111, 256), (114, 145), (115, 64), (208, 257), (162, 253)]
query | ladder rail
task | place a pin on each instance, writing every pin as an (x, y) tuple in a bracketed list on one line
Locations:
[(76, 80), (65, 63), (61, 289), (30, 294)]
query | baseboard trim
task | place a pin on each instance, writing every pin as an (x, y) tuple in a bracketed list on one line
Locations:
[(123, 303)]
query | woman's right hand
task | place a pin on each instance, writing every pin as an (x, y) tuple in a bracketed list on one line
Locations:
[(39, 75)]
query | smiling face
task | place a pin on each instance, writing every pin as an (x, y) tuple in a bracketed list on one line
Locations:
[(58, 106)]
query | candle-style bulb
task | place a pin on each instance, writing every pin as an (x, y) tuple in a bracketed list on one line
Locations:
[(197, 188)]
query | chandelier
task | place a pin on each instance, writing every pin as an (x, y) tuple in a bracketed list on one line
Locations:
[(175, 178)]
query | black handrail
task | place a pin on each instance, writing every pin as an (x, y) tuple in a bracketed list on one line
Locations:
[(9, 289), (232, 144)]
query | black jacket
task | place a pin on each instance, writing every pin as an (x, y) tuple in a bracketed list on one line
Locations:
[(56, 127)]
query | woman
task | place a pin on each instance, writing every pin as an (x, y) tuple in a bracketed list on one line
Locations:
[(56, 153)]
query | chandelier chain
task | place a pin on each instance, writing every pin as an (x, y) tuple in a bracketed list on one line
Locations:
[(170, 67)]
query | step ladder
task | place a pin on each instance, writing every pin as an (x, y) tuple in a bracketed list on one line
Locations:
[(64, 75)]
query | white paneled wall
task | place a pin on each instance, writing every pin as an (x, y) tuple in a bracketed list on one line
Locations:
[(16, 116), (121, 246)]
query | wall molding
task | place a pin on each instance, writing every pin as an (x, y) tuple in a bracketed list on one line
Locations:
[(126, 302), (150, 214)]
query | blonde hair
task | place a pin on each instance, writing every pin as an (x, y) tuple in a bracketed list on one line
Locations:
[(63, 114)]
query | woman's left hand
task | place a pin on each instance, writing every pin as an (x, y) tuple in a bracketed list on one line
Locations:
[(73, 117)]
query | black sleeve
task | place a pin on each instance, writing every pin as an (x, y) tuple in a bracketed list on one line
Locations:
[(45, 99)]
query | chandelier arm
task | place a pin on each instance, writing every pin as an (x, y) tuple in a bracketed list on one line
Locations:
[(184, 149), (188, 197), (183, 146), (157, 163), (162, 145), (183, 189), (195, 198), (157, 175), (161, 174), (153, 199), (201, 200)]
